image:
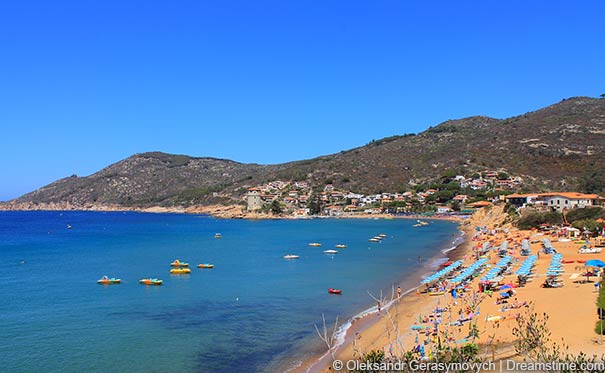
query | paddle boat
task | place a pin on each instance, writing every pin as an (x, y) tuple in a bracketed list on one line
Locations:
[(205, 265), (178, 263), (589, 250), (150, 281), (218, 235), (108, 281), (180, 271), (291, 256), (341, 246), (331, 251), (315, 244), (334, 291)]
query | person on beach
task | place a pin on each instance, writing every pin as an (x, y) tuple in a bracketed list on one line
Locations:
[(398, 291), (378, 306)]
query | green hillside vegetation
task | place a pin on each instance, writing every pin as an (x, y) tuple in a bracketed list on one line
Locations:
[(560, 147)]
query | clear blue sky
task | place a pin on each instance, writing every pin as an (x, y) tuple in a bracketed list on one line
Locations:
[(86, 83)]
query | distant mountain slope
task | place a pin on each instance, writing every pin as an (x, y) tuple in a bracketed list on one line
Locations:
[(562, 141), (150, 179), (560, 146)]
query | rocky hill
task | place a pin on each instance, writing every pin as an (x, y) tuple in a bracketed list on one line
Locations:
[(558, 147)]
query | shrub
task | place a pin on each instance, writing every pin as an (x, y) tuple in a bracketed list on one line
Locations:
[(374, 357), (585, 213), (589, 224), (534, 220)]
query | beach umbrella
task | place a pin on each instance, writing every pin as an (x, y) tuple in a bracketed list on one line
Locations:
[(595, 263), (507, 286)]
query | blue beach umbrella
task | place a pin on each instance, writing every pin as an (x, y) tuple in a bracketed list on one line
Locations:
[(595, 263)]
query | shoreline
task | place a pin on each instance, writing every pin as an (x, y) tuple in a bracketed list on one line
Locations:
[(369, 317), (393, 334), (216, 211)]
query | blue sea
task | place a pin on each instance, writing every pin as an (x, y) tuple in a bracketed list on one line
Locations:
[(255, 311)]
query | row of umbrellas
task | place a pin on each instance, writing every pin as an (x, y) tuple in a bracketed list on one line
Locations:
[(442, 273), (469, 271), (526, 266), (497, 269)]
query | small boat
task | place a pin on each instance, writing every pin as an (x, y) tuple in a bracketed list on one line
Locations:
[(291, 256), (108, 281), (334, 291), (382, 235), (315, 244), (180, 271), (446, 264), (178, 263), (374, 239), (331, 251), (218, 235), (341, 246), (589, 250), (150, 281), (417, 225), (205, 265), (69, 226)]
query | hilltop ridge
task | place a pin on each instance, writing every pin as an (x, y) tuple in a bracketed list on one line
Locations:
[(561, 146)]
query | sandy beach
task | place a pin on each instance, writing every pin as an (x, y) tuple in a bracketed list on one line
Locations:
[(571, 309)]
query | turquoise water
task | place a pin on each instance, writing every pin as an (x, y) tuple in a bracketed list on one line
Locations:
[(254, 311)]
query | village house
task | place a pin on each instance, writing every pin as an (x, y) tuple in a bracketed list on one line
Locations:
[(443, 209), (521, 199), (461, 198), (568, 200), (505, 183), (558, 201), (333, 210), (478, 184)]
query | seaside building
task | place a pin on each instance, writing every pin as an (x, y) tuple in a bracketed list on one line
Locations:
[(521, 199), (557, 201), (568, 200), (254, 200)]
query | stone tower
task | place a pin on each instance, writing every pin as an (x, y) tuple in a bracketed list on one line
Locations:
[(253, 199)]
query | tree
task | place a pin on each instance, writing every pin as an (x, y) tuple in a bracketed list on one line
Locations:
[(455, 206), (602, 95), (276, 208), (314, 206)]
